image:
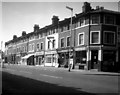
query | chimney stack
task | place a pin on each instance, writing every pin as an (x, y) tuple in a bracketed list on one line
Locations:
[(86, 7), (36, 27), (55, 20)]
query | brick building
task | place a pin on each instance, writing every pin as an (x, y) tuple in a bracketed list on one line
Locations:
[(94, 42)]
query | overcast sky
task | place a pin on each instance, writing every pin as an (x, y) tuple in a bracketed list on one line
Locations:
[(21, 16)]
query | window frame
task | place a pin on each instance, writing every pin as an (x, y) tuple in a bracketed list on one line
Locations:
[(37, 47), (114, 37), (41, 45), (60, 42), (53, 44), (99, 39), (66, 41), (83, 38), (91, 21), (112, 17)]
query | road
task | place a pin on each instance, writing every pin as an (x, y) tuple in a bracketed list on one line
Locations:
[(30, 79)]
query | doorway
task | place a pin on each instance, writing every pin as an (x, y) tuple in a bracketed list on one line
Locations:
[(94, 59)]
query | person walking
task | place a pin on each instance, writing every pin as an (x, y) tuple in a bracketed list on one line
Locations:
[(70, 65)]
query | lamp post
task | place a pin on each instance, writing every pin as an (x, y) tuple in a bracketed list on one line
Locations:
[(50, 39), (1, 55), (71, 9)]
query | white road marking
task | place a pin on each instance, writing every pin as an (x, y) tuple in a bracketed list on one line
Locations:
[(11, 70), (50, 76), (25, 72)]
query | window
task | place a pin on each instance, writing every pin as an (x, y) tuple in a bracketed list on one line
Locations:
[(53, 43), (23, 49), (68, 41), (48, 44), (32, 47), (82, 22), (118, 35), (109, 37), (62, 42), (41, 46), (86, 20), (81, 39), (109, 19), (95, 19), (95, 37), (37, 46), (68, 27), (61, 29)]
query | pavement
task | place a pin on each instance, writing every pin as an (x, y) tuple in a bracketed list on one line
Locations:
[(65, 69)]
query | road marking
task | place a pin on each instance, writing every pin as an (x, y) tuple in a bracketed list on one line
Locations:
[(50, 76), (10, 70), (25, 72)]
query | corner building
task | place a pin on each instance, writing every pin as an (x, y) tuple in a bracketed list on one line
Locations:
[(93, 41)]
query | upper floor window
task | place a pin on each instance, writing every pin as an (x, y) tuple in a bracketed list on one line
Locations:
[(87, 20), (109, 37), (53, 43), (61, 29), (23, 49), (41, 46), (68, 41), (109, 19), (32, 47), (95, 19), (48, 44), (62, 42), (82, 21), (95, 37), (38, 46), (118, 35), (81, 39)]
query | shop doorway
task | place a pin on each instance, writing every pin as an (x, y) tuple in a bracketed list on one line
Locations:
[(94, 59)]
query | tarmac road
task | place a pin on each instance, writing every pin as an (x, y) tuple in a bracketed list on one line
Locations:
[(30, 79)]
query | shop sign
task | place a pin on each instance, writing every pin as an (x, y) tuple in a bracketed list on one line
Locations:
[(39, 53)]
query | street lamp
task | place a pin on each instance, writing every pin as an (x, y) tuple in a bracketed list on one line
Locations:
[(1, 55), (50, 39), (71, 9)]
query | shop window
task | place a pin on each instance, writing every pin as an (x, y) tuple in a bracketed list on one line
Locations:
[(95, 19), (81, 57), (68, 41), (81, 39), (95, 37), (109, 19), (62, 42), (109, 37)]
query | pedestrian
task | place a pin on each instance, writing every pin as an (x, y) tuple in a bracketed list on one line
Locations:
[(70, 65)]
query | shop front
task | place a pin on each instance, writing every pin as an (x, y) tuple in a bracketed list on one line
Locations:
[(109, 60), (27, 60), (51, 59), (63, 59), (81, 57), (39, 58)]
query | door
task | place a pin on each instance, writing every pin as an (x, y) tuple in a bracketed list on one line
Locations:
[(94, 59), (40, 59)]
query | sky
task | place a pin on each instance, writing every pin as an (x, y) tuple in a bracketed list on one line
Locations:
[(21, 16)]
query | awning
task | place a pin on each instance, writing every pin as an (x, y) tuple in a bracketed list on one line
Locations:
[(27, 56)]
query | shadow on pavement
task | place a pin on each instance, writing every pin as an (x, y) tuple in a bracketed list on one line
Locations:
[(15, 84)]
